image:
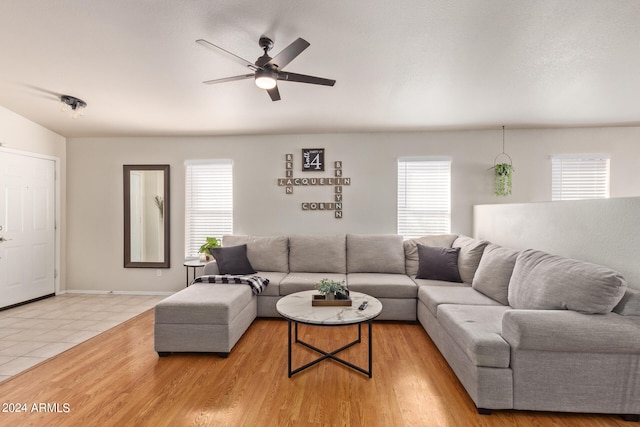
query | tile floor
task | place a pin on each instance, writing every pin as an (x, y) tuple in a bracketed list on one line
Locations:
[(37, 331)]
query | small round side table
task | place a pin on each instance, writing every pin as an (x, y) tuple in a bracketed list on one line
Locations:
[(193, 264)]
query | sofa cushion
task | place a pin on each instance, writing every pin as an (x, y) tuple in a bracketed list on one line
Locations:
[(494, 272), (629, 305), (469, 258), (383, 285), (411, 249), (433, 296), (572, 332), (274, 277), (266, 253), (551, 282), (429, 282), (297, 282), (232, 260), (204, 303), (317, 253), (438, 263), (476, 329), (381, 253)]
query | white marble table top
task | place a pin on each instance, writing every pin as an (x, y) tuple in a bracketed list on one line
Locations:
[(194, 263), (297, 307)]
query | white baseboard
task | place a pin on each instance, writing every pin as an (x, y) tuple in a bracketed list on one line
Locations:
[(97, 292)]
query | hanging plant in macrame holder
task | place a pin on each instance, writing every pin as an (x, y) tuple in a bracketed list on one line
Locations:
[(503, 173), (502, 179)]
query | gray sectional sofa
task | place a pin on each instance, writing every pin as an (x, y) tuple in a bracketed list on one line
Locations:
[(521, 330)]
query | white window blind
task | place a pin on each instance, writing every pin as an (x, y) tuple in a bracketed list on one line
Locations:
[(424, 196), (575, 177), (209, 202)]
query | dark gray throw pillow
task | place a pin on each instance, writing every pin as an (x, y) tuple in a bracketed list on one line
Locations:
[(437, 263), (232, 260)]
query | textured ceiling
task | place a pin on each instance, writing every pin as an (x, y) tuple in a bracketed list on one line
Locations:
[(402, 65)]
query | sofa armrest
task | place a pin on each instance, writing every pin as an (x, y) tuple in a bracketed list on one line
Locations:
[(570, 331), (211, 269)]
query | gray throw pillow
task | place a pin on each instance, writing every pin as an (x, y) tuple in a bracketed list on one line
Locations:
[(470, 254), (411, 249), (549, 282), (232, 260), (494, 272), (436, 263)]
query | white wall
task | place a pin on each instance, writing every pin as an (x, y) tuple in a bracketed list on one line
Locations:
[(605, 231), (95, 207), (18, 133)]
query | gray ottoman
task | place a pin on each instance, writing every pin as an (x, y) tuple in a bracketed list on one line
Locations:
[(203, 318)]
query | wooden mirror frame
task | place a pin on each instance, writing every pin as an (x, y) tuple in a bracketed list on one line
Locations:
[(128, 263)]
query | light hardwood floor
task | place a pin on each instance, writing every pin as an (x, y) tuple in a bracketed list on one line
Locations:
[(116, 379)]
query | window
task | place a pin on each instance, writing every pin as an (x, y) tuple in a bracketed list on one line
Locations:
[(575, 177), (424, 196), (208, 202)]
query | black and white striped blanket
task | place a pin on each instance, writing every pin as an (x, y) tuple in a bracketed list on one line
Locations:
[(257, 283)]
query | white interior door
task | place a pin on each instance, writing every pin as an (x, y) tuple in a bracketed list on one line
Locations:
[(27, 228)]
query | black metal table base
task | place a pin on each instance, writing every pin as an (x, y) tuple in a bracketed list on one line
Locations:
[(328, 355)]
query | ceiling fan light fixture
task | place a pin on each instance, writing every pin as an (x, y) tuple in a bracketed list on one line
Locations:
[(75, 106), (266, 71), (265, 79)]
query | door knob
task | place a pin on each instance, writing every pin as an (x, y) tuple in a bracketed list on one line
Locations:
[(2, 239)]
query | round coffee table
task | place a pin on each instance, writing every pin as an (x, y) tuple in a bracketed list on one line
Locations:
[(297, 308)]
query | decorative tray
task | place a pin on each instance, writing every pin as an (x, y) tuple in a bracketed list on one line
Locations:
[(320, 300)]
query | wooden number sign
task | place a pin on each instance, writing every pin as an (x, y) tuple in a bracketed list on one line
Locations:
[(312, 159)]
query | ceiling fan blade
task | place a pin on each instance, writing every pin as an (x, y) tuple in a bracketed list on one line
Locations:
[(229, 79), (302, 78), (289, 53), (230, 55), (274, 93)]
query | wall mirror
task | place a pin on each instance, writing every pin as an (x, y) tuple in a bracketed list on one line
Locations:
[(146, 216)]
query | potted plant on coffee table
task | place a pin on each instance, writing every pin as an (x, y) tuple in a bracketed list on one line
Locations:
[(332, 289)]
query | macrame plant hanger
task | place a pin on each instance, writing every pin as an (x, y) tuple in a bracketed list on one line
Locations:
[(502, 173), (495, 161)]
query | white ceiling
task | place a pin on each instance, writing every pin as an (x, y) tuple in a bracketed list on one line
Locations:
[(399, 65)]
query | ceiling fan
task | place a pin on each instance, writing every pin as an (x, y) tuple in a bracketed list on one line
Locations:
[(266, 70)]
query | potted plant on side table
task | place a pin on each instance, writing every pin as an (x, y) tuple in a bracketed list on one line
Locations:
[(212, 242)]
